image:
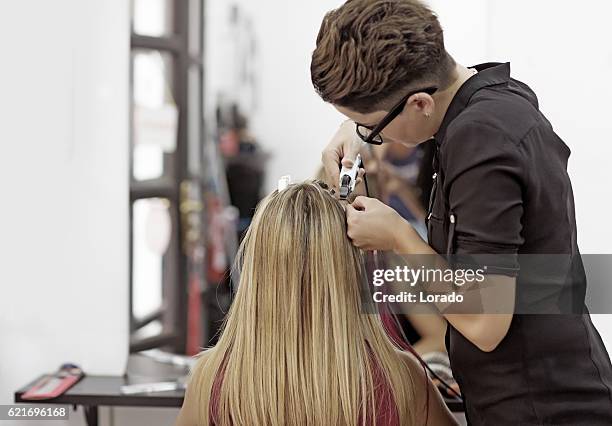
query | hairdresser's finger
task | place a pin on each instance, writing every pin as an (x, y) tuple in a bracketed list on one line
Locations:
[(350, 210), (336, 150), (360, 175), (352, 217), (359, 190), (351, 149), (331, 164), (361, 202)]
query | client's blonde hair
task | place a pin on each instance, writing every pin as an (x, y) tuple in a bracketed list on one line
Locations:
[(296, 348)]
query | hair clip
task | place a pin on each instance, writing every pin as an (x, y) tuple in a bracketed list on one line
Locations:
[(284, 182), (322, 184)]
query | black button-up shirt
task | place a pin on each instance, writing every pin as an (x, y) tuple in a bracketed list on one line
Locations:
[(501, 188)]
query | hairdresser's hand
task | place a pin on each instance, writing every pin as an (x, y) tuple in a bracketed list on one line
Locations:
[(341, 151), (372, 225)]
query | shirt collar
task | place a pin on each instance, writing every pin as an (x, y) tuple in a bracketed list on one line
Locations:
[(489, 74)]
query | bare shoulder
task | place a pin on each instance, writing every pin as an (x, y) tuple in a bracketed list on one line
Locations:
[(411, 362), (204, 356), (188, 415), (202, 359), (431, 403), (420, 379), (206, 353)]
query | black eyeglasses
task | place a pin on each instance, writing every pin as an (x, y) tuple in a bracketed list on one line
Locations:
[(371, 134)]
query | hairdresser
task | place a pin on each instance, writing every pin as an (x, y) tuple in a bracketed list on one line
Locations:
[(501, 188)]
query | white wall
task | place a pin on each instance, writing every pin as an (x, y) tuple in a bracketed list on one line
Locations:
[(64, 187), (568, 62), (466, 40), (563, 52), (290, 120)]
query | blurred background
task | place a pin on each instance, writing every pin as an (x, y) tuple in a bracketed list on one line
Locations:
[(138, 136)]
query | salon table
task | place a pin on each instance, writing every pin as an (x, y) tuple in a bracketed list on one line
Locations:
[(94, 391)]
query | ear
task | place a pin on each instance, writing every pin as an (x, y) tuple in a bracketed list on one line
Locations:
[(423, 103)]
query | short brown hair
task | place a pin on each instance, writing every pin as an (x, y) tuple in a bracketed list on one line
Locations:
[(369, 52)]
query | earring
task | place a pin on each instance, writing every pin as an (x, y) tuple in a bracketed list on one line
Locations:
[(427, 115)]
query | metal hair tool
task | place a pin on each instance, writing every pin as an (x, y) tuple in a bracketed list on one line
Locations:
[(348, 178)]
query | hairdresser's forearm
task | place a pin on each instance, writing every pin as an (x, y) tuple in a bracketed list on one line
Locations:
[(408, 241), (485, 331)]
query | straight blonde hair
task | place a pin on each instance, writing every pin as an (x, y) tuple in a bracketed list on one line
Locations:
[(296, 348)]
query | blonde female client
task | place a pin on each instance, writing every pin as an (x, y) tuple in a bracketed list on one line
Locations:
[(296, 348)]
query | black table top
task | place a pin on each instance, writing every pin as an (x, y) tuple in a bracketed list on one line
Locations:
[(105, 390)]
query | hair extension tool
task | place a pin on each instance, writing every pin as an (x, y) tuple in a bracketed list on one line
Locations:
[(348, 178)]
